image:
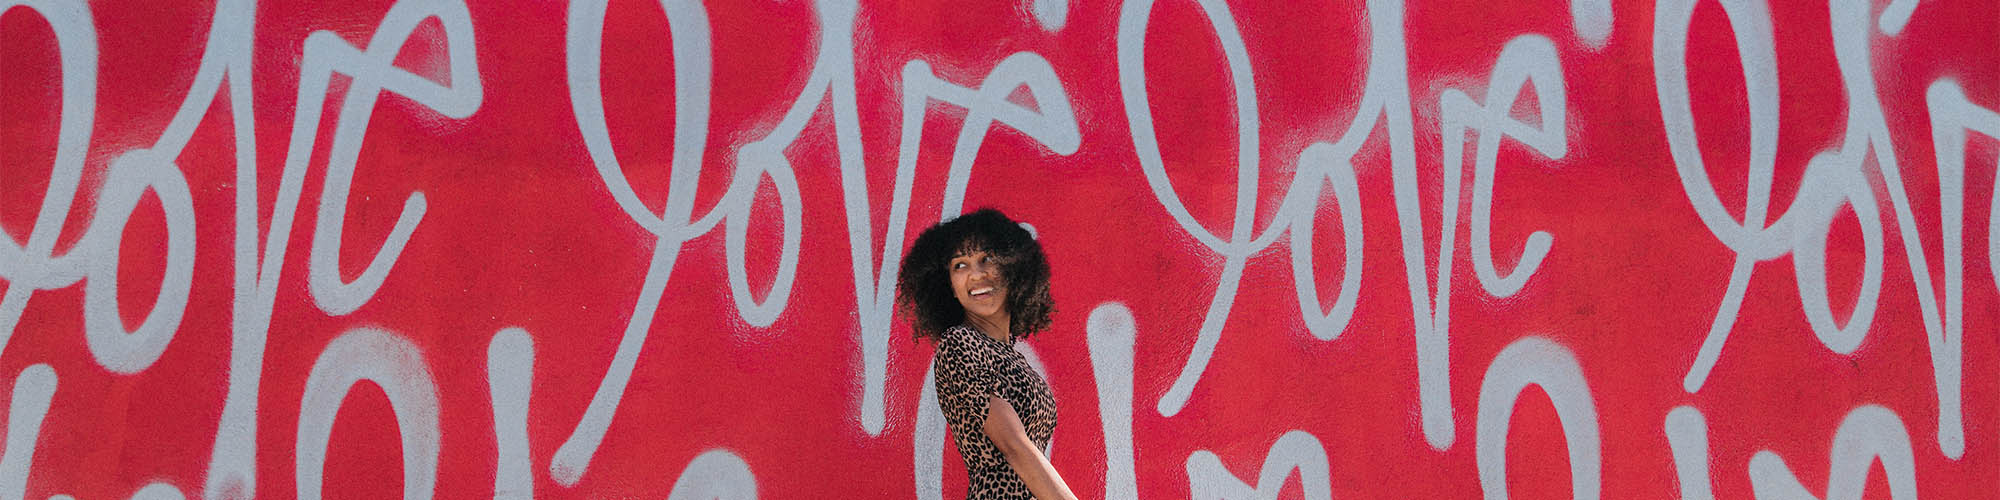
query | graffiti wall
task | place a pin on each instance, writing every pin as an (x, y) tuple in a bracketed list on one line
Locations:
[(1301, 249)]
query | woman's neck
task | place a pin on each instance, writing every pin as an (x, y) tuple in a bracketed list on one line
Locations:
[(992, 327)]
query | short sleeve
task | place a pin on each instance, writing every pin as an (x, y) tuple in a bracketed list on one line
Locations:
[(967, 377)]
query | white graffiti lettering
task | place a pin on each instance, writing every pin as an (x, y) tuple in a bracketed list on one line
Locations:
[(1474, 126), (1542, 362), (1052, 123), (397, 366), (1833, 179), (1385, 97)]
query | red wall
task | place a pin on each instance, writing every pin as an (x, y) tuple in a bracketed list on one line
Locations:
[(1373, 250)]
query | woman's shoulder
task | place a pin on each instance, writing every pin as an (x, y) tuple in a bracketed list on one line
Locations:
[(954, 337), (960, 339)]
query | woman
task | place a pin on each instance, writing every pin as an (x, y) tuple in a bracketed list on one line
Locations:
[(974, 285)]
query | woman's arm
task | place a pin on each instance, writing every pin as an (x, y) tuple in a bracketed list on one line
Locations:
[(1003, 427)]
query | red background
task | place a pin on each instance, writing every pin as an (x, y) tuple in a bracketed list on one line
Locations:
[(521, 232)]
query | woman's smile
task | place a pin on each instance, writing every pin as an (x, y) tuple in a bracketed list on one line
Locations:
[(984, 300)]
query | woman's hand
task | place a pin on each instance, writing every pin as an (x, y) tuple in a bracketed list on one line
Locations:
[(1003, 427)]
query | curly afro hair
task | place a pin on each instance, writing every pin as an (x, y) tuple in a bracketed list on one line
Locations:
[(923, 285)]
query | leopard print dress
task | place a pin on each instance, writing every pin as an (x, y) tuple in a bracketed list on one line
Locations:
[(972, 367)]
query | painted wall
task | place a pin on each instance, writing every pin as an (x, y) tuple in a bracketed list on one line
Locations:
[(1312, 249)]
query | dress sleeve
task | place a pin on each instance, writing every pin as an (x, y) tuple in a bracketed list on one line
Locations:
[(966, 379)]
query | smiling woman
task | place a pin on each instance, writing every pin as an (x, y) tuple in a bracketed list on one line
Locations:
[(974, 285)]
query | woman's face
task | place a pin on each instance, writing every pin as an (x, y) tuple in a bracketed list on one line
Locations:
[(976, 280)]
